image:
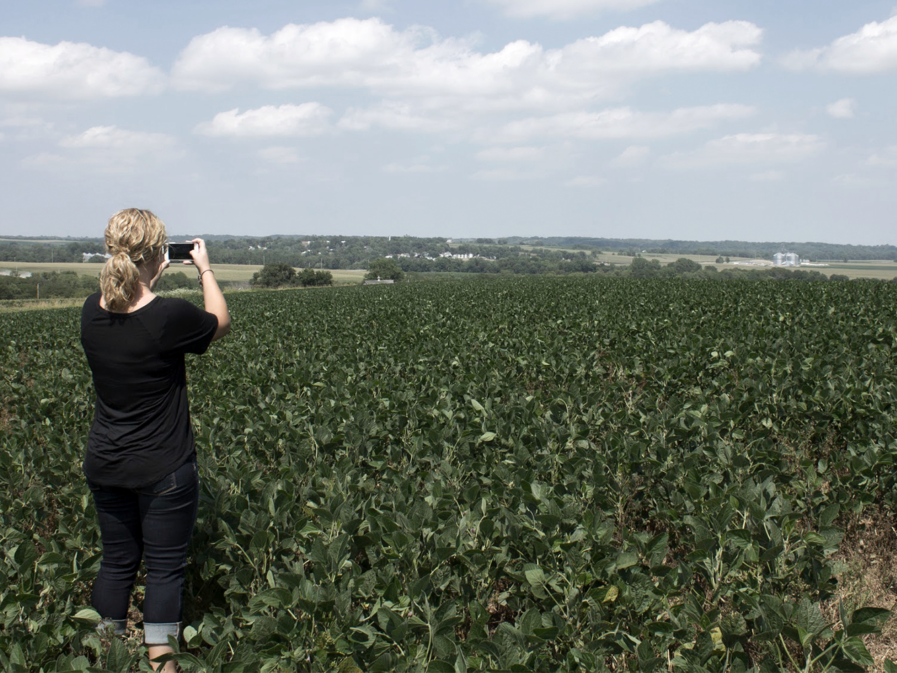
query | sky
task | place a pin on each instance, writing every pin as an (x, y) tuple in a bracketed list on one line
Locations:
[(757, 120)]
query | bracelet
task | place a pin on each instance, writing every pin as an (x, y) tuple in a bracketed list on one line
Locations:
[(200, 275)]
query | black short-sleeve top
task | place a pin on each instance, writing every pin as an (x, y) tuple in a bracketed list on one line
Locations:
[(141, 429)]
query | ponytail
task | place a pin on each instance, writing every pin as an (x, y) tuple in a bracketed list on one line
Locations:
[(119, 281)]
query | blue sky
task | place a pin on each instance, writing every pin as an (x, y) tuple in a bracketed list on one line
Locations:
[(681, 119)]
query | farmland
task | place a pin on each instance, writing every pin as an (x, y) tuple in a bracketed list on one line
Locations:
[(229, 273), (509, 474)]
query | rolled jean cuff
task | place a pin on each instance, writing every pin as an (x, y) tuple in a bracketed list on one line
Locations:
[(157, 634), (119, 626)]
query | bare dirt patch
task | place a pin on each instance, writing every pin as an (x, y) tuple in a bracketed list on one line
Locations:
[(497, 608), (869, 552)]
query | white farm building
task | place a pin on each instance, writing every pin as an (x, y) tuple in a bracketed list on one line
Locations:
[(786, 259)]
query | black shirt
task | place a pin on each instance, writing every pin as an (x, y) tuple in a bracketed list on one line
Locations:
[(141, 429)]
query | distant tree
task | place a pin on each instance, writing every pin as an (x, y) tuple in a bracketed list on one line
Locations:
[(727, 260), (802, 274), (642, 268), (96, 259), (479, 265), (443, 264), (384, 269), (173, 280), (775, 274), (720, 260), (582, 265), (683, 266), (838, 276), (312, 278), (274, 275)]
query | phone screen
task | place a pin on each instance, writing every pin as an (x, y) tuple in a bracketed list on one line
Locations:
[(179, 251)]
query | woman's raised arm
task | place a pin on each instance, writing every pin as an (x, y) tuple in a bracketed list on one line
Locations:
[(211, 293)]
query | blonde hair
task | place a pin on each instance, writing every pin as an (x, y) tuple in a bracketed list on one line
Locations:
[(133, 237)]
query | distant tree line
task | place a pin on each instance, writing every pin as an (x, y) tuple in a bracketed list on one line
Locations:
[(764, 250), (687, 268), (68, 284), (316, 252), (50, 252), (526, 264), (639, 268), (357, 252), (514, 254), (47, 285)]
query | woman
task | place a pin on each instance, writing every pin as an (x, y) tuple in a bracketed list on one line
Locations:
[(140, 462)]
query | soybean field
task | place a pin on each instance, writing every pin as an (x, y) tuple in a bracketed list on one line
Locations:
[(511, 474)]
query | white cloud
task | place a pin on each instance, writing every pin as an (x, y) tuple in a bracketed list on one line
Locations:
[(850, 180), (768, 176), (45, 161), (345, 52), (842, 109), (72, 71), (871, 49), (27, 128), (308, 119), (886, 158), (280, 155), (587, 181), (656, 48), (375, 6), (507, 175), (565, 9), (749, 148), (110, 149), (624, 123), (511, 154), (422, 83), (418, 167), (417, 67), (632, 156), (113, 138), (397, 116)]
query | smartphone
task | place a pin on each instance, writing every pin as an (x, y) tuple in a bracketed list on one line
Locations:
[(179, 251)]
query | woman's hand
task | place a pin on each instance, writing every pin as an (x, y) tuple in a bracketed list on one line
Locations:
[(200, 255)]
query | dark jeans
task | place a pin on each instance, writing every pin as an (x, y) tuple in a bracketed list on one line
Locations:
[(155, 522)]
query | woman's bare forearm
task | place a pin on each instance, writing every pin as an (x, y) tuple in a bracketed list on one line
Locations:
[(215, 303), (211, 293)]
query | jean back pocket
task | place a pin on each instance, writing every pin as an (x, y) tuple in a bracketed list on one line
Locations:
[(165, 485)]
